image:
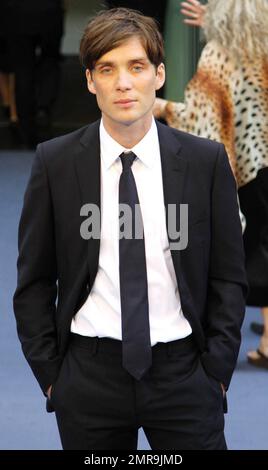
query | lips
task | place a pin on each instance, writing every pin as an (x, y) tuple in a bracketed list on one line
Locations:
[(125, 104), (124, 101)]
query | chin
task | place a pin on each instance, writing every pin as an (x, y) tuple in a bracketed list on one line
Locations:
[(127, 120)]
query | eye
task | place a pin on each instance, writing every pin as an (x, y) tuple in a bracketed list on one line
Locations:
[(137, 68), (106, 70)]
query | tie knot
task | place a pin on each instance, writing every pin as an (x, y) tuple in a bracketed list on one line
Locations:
[(127, 158)]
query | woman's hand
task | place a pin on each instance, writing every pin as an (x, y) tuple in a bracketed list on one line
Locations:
[(194, 11)]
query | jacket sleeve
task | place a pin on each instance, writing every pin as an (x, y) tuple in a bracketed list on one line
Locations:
[(35, 296), (227, 284)]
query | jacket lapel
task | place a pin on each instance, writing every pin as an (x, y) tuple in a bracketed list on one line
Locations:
[(87, 165), (174, 171)]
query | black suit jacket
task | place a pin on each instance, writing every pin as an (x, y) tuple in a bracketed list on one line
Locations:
[(57, 268)]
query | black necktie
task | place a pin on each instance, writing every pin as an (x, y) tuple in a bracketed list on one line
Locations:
[(136, 344)]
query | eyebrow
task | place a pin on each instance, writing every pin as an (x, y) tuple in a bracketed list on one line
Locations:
[(132, 61)]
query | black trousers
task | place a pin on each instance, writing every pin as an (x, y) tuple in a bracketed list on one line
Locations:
[(99, 406)]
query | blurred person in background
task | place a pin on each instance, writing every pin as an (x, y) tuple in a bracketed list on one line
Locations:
[(7, 83), (227, 100), (155, 9), (35, 30)]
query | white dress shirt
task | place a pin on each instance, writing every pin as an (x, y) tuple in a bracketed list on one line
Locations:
[(100, 315)]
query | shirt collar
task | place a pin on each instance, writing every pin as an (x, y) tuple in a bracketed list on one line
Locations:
[(145, 149)]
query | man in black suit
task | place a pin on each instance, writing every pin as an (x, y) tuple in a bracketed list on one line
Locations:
[(146, 329)]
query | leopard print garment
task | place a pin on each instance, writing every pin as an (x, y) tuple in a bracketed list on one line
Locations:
[(228, 102)]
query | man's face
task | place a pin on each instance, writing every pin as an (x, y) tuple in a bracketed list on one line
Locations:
[(124, 82)]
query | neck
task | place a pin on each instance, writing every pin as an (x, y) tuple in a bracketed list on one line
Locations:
[(128, 135)]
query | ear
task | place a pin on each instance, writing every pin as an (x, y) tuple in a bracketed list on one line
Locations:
[(90, 82), (160, 76)]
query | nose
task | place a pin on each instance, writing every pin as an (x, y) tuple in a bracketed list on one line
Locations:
[(123, 81)]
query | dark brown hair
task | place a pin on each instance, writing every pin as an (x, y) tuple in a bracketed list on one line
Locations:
[(111, 28)]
